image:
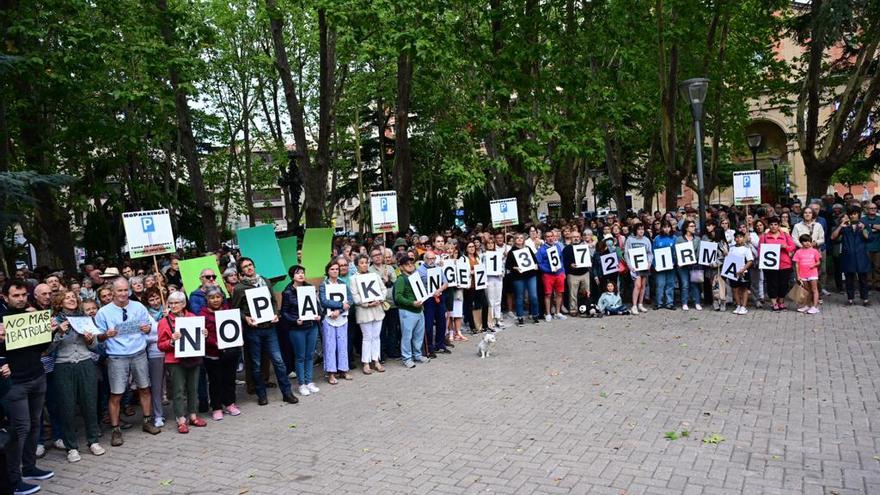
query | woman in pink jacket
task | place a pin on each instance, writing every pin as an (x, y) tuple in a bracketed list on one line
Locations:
[(777, 280)]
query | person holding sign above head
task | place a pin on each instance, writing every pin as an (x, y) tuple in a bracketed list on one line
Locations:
[(549, 257), (435, 306), (854, 259), (412, 321), (184, 371), (741, 258), (369, 295), (523, 273), (76, 379), (24, 399), (124, 326), (687, 247), (777, 269), (300, 315), (253, 296), (640, 256), (220, 364), (336, 299)]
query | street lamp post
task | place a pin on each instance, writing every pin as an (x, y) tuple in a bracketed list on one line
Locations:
[(694, 92), (775, 162), (754, 144), (594, 174)]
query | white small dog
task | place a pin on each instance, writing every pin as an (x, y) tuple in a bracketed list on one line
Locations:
[(486, 344)]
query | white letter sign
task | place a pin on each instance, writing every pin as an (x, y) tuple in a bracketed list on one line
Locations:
[(582, 257), (192, 341), (685, 254), (663, 259), (450, 273), (732, 264), (610, 263), (554, 258), (769, 258), (494, 264), (383, 206), (259, 301), (464, 273), (524, 260), (229, 332), (480, 281), (435, 279), (708, 253), (419, 290), (638, 259), (504, 212), (307, 302), (367, 285)]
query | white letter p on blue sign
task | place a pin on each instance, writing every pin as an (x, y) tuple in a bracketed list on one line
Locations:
[(147, 224)]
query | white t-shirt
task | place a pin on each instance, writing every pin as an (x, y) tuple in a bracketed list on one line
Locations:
[(742, 251)]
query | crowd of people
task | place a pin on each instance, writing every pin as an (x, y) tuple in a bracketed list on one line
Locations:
[(98, 378)]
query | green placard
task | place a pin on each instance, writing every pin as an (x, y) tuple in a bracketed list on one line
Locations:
[(191, 269), (316, 251), (287, 246), (259, 244)]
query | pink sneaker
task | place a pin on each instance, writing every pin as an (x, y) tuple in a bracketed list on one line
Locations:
[(217, 415), (233, 410), (813, 311)]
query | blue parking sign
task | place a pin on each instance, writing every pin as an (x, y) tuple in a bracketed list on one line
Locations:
[(383, 204), (503, 207), (747, 181), (148, 225)]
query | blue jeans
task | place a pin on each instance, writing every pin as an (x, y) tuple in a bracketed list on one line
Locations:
[(304, 341), (435, 324), (687, 288), (520, 287), (664, 295), (260, 339), (412, 330)]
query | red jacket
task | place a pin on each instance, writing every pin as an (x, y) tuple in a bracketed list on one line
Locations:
[(211, 349), (166, 343), (786, 249)]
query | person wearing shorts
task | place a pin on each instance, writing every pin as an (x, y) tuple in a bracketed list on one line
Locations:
[(549, 258), (124, 326)]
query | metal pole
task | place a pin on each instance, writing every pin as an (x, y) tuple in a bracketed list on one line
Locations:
[(701, 190)]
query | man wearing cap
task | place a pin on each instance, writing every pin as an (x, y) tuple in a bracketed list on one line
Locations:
[(412, 320)]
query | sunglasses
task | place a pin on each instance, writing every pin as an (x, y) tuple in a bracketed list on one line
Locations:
[(210, 277)]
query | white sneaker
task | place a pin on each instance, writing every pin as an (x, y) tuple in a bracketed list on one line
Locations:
[(743, 311), (548, 317), (41, 450), (313, 388), (500, 324), (634, 310), (813, 311), (698, 307), (560, 316), (158, 422), (291, 375), (684, 307), (73, 456), (642, 308), (96, 449), (59, 444), (803, 309), (304, 390)]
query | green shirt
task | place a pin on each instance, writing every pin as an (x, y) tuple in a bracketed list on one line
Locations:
[(404, 295)]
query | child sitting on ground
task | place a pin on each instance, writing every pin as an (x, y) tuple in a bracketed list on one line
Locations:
[(610, 302)]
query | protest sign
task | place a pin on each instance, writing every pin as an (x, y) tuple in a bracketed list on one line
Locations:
[(27, 329), (83, 325), (494, 263), (610, 263), (554, 258), (732, 264), (450, 273), (192, 338), (367, 285), (317, 247), (524, 260), (504, 212), (418, 287), (480, 280), (708, 253), (307, 302), (148, 233), (747, 187), (259, 301), (685, 254), (638, 259), (663, 259), (769, 258), (229, 333), (287, 246), (383, 209), (435, 279), (259, 244), (338, 293), (582, 258), (191, 269), (463, 277)]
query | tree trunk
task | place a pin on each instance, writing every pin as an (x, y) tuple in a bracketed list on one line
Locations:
[(187, 141), (316, 176), (402, 153), (818, 178)]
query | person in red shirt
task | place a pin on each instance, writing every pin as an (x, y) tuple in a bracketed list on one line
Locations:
[(808, 260), (777, 280)]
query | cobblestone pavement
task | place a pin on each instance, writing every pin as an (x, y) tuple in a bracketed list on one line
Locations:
[(580, 406)]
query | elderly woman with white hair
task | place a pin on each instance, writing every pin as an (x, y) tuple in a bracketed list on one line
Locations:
[(184, 371)]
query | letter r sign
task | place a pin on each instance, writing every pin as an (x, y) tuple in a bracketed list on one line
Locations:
[(147, 224)]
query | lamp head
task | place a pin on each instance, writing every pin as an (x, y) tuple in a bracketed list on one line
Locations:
[(754, 141), (694, 92)]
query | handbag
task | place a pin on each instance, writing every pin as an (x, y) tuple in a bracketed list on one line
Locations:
[(798, 294), (697, 276)]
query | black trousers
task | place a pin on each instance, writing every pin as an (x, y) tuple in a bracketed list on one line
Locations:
[(221, 378), (851, 285), (777, 282)]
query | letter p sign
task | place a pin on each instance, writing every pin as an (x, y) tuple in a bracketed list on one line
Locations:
[(147, 224), (383, 204), (503, 207)]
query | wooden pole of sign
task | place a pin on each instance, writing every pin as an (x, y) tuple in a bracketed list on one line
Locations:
[(159, 280)]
